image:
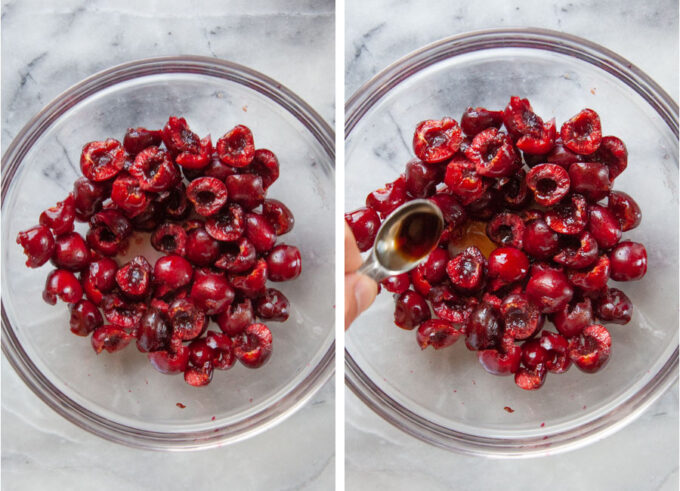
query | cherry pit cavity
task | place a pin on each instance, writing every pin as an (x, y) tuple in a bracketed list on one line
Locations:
[(533, 233), (206, 209)]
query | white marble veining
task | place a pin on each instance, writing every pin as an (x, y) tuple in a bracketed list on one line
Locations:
[(49, 46), (644, 454)]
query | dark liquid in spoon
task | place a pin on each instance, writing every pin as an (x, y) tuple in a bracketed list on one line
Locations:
[(417, 236)]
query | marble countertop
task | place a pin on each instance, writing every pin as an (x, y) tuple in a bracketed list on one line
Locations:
[(47, 47), (641, 456)]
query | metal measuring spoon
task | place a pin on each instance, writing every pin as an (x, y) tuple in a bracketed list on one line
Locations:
[(404, 240)]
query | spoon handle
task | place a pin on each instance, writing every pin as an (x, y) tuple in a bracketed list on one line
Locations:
[(372, 268)]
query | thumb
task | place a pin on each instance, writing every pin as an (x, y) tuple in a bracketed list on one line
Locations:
[(360, 291)]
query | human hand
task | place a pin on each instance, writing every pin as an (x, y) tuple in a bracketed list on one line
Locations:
[(360, 290)]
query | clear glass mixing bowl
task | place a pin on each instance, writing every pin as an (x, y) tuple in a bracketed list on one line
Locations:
[(445, 397), (121, 396)]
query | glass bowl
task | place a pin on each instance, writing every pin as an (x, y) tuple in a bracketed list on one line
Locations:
[(446, 398), (120, 396)]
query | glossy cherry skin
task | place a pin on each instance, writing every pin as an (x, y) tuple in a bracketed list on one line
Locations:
[(170, 363), (88, 197), (591, 179), (614, 306), (64, 285), (223, 349), (549, 290), (437, 333), (266, 165), (508, 264), (421, 179), (212, 293), (110, 338), (154, 332), (284, 263), (278, 215), (237, 317), (557, 348), (593, 280), (71, 252), (628, 261), (201, 248), (137, 139), (625, 209), (38, 243), (237, 257), (434, 267), (475, 120), (251, 283), (613, 154), (453, 212), (498, 363), (574, 317), (484, 329), (60, 217), (85, 317), (397, 283), (539, 240), (411, 310), (385, 200), (99, 279), (533, 354), (604, 226), (200, 353), (364, 224), (578, 254), (246, 189), (260, 232), (173, 272), (272, 306)]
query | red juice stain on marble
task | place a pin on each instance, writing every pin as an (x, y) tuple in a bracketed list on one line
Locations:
[(180, 405)]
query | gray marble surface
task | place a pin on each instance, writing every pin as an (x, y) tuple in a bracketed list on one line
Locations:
[(47, 47), (643, 455)]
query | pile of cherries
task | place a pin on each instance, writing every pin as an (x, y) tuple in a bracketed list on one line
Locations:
[(555, 243), (206, 210)]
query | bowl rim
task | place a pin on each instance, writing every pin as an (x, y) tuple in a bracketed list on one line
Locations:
[(13, 157), (374, 90)]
